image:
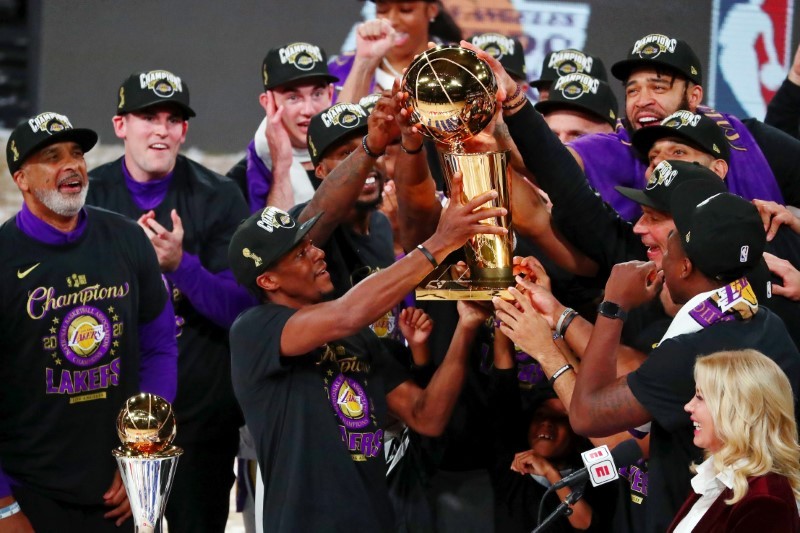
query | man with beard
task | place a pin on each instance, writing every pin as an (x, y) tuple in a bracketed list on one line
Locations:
[(276, 170), (356, 237), (86, 323), (662, 75), (189, 213)]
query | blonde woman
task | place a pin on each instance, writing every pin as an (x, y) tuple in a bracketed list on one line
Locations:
[(743, 414)]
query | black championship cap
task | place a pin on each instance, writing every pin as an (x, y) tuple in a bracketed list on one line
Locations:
[(658, 50), (701, 132), (261, 240), (665, 178), (295, 61), (507, 50), (144, 89), (44, 129), (583, 93), (722, 233), (368, 102), (332, 125), (569, 61)]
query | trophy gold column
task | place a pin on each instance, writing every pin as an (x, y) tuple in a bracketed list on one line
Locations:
[(147, 460), (451, 99)]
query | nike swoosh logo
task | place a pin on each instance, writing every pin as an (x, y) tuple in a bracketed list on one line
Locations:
[(24, 273)]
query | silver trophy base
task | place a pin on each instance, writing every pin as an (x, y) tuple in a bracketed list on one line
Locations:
[(148, 480)]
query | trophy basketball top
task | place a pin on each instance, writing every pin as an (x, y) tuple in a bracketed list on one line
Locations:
[(146, 425), (451, 94)]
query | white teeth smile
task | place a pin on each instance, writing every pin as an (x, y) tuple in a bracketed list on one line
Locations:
[(543, 436), (159, 146), (696, 425), (369, 181), (647, 120)]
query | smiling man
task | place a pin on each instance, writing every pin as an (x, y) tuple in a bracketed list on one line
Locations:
[(86, 323), (662, 75), (189, 213), (276, 169)]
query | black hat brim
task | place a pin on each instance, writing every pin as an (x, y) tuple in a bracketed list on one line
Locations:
[(85, 138), (548, 106), (311, 75), (640, 197), (622, 69)]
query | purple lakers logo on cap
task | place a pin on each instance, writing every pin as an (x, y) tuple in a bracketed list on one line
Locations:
[(85, 335), (49, 123), (573, 86), (350, 403), (161, 82), (344, 115), (653, 45), (661, 176), (273, 218), (303, 56), (570, 61), (494, 44)]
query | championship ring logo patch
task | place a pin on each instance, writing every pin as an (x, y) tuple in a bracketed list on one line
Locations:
[(344, 115), (652, 46), (350, 403), (273, 218), (662, 175), (573, 86), (302, 56), (85, 335), (164, 89), (50, 123)]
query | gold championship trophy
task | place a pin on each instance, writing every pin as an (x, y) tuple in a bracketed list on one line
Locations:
[(452, 98), (146, 459)]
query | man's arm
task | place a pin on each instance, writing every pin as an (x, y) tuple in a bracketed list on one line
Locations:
[(602, 403), (418, 206), (428, 410), (782, 152), (158, 362), (783, 111), (340, 189), (317, 324)]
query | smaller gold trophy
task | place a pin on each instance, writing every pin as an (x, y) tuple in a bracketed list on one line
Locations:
[(452, 98), (147, 460)]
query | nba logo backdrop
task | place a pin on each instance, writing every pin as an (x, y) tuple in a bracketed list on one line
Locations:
[(750, 54)]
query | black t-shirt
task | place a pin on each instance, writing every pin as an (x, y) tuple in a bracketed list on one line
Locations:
[(70, 351), (317, 421), (211, 208), (665, 383)]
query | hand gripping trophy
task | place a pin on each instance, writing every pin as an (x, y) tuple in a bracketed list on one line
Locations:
[(451, 93), (146, 459)]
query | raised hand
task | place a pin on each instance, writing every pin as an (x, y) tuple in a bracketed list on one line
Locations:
[(168, 244)]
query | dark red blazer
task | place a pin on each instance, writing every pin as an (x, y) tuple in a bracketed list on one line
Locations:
[(768, 506)]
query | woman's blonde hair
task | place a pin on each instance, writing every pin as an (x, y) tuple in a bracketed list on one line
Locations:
[(752, 406)]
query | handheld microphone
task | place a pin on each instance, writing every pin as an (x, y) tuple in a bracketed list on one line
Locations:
[(600, 464)]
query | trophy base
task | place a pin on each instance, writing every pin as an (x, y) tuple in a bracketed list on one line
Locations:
[(461, 290)]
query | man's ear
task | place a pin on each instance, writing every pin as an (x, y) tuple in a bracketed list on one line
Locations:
[(694, 95), (268, 281), (720, 168), (118, 122), (20, 179), (687, 268)]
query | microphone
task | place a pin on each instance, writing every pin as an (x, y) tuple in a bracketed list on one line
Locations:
[(600, 464)]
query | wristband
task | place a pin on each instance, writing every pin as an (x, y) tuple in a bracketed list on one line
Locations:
[(373, 155), (428, 255), (567, 322), (560, 324), (507, 105), (10, 510), (558, 373), (411, 152)]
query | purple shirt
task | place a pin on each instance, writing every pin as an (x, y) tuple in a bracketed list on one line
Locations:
[(149, 194), (610, 160)]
